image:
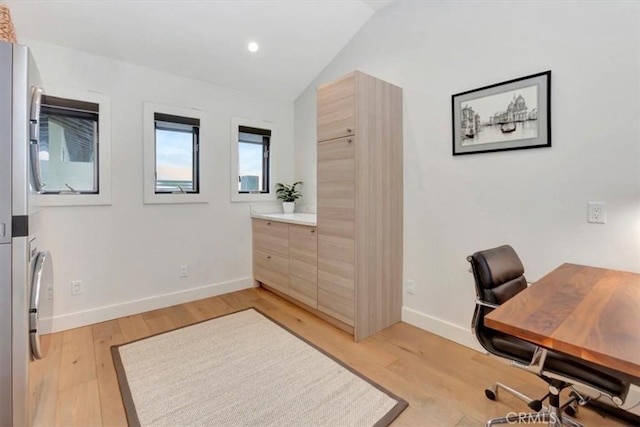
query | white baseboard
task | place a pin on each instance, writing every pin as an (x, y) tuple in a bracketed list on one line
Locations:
[(442, 328), (101, 314)]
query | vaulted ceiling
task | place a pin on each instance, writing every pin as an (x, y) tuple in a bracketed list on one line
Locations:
[(207, 39)]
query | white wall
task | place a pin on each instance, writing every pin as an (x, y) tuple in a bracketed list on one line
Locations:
[(536, 199), (128, 254)]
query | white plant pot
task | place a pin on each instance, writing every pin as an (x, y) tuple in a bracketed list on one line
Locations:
[(288, 207)]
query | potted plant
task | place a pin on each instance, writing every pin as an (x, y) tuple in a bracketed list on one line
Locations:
[(288, 194)]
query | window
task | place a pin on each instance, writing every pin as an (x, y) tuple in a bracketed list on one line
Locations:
[(251, 157), (69, 146), (75, 148), (176, 151), (175, 155)]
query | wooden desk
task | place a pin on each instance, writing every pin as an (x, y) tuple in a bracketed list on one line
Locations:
[(592, 313)]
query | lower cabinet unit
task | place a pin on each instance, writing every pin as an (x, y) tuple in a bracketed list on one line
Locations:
[(285, 259)]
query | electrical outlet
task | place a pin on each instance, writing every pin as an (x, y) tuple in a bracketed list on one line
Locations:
[(76, 287), (596, 213), (410, 286), (49, 291), (184, 271)]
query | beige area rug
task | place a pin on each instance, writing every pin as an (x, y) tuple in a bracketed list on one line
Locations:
[(244, 369)]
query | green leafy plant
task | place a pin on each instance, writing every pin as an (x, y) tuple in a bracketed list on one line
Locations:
[(288, 193)]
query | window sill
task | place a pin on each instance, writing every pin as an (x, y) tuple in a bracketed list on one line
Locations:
[(248, 197), (46, 200), (174, 198)]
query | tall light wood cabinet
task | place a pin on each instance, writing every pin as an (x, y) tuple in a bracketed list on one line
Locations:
[(360, 202)]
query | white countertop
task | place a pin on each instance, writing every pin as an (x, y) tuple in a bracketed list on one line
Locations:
[(309, 219)]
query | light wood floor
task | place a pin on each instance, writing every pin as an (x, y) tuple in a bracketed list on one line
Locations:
[(443, 382)]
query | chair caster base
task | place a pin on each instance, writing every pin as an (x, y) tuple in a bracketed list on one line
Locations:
[(535, 405), (492, 394), (571, 411)]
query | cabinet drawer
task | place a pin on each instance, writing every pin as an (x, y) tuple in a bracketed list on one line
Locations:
[(271, 236), (336, 109), (271, 269)]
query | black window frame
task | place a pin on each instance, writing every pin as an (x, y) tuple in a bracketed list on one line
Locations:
[(71, 108), (158, 120), (266, 152)]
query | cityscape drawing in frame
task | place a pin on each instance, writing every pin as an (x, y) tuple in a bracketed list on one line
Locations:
[(511, 115)]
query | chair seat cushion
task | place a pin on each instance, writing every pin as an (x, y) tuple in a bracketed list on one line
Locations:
[(586, 372), (577, 369), (513, 348)]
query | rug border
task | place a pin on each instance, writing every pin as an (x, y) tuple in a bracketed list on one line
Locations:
[(391, 415), (123, 386), (130, 408)]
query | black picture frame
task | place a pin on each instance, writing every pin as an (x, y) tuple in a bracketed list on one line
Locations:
[(511, 115)]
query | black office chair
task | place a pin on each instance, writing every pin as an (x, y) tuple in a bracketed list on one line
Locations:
[(499, 275)]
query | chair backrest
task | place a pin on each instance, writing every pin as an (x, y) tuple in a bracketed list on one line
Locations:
[(498, 273)]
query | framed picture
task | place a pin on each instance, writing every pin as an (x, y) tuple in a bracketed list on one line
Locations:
[(512, 115)]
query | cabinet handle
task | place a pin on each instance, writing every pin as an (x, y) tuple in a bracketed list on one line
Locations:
[(349, 130), (313, 230), (268, 256), (349, 140), (269, 223)]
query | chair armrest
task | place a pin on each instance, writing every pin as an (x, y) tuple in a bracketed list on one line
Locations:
[(486, 304), (537, 361)]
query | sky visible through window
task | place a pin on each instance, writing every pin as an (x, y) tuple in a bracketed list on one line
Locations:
[(250, 163), (174, 157)]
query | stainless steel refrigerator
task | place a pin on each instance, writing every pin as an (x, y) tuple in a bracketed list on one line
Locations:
[(24, 271)]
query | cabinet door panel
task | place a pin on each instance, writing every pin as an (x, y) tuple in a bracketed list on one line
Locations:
[(271, 269), (339, 150), (336, 187), (336, 109), (336, 277), (271, 236), (336, 296), (336, 228), (303, 244), (303, 264), (303, 283)]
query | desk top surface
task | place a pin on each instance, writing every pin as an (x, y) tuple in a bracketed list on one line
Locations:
[(588, 312)]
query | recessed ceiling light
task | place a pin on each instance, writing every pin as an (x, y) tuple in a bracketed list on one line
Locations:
[(253, 47)]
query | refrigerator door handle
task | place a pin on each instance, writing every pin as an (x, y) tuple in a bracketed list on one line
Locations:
[(41, 281), (34, 137)]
